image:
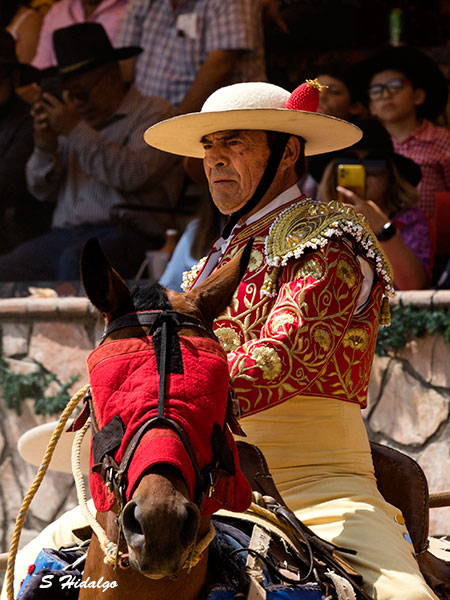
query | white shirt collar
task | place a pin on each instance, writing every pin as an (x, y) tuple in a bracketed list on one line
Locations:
[(287, 196)]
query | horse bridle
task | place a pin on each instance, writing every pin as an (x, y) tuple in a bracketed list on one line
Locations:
[(164, 326)]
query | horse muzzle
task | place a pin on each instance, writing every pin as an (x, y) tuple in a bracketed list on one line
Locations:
[(159, 535)]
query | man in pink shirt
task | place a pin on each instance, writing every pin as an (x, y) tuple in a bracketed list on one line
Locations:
[(108, 13)]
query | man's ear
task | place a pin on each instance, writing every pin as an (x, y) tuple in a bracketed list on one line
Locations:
[(420, 96), (292, 151)]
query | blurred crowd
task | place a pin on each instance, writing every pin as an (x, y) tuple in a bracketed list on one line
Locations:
[(81, 81)]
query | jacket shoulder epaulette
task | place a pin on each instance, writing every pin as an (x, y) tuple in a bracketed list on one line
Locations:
[(310, 224)]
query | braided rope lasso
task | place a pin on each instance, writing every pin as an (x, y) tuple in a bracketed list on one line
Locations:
[(73, 402), (108, 547)]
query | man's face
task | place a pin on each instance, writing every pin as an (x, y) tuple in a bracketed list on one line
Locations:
[(92, 95), (392, 97), (234, 164)]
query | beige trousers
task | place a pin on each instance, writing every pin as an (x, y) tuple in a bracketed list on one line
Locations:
[(319, 455)]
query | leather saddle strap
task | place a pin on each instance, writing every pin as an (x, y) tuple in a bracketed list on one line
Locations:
[(325, 548)]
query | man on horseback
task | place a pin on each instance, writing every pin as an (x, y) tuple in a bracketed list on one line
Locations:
[(301, 328), (300, 332)]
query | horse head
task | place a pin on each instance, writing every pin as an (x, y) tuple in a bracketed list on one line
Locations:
[(163, 458)]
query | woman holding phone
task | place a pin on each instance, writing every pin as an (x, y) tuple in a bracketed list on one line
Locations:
[(383, 189)]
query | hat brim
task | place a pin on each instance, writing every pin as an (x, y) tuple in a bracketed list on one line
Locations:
[(116, 54), (182, 134), (33, 444)]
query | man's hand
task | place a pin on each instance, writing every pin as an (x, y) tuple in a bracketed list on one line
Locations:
[(44, 136), (62, 116)]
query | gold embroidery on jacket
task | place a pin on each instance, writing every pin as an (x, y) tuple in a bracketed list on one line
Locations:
[(228, 338), (309, 225), (268, 361)]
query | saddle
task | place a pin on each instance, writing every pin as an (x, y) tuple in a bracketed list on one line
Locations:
[(395, 472)]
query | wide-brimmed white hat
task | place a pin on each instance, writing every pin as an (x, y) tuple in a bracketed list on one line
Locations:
[(33, 443), (254, 105)]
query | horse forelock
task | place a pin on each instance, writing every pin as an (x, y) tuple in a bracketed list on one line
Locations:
[(150, 296)]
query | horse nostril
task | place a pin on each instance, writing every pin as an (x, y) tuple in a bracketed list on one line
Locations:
[(130, 519), (190, 526)]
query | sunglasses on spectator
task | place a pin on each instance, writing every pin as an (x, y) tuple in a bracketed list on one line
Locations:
[(393, 86), (84, 94), (374, 167)]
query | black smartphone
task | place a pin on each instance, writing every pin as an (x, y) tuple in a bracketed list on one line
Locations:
[(51, 83)]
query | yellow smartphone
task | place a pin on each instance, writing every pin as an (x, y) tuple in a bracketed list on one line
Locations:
[(352, 177)]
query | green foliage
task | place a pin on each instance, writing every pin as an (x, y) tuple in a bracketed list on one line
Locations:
[(411, 321), (19, 386)]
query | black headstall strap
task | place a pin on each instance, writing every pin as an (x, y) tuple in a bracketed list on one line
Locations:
[(163, 328)]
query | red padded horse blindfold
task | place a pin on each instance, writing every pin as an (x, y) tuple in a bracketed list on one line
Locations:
[(125, 382)]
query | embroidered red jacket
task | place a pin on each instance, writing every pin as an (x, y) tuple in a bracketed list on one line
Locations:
[(304, 338)]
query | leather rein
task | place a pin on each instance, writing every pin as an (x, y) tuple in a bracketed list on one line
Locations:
[(166, 324)]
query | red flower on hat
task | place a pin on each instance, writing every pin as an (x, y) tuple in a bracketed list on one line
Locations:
[(306, 96)]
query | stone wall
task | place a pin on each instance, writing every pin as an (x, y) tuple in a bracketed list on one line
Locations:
[(408, 401), (57, 333)]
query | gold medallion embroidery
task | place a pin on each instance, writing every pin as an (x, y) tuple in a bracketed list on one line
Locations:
[(346, 273), (356, 338), (268, 361), (322, 337), (311, 268), (228, 338), (255, 261), (279, 321)]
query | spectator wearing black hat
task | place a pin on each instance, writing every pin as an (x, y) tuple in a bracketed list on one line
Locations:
[(390, 203), (406, 92), (20, 215), (109, 13), (90, 159)]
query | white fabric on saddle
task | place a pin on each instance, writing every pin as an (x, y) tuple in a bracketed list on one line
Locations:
[(440, 547)]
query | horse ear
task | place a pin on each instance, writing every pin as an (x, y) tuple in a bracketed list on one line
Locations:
[(104, 287), (215, 293)]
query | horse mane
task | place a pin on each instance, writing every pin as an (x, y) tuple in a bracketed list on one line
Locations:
[(148, 296)]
